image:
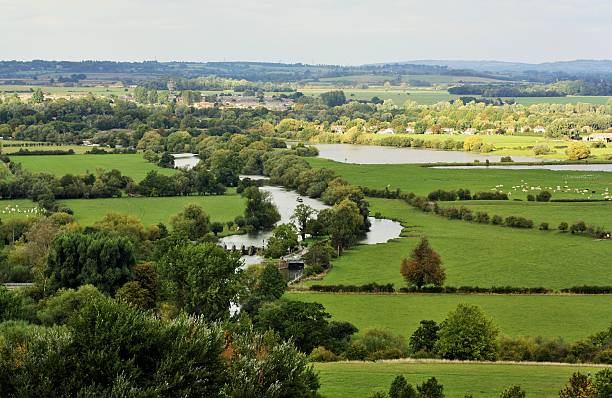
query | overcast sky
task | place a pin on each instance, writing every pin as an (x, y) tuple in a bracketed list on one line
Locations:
[(319, 31)]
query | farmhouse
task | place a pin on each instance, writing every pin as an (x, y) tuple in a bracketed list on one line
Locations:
[(539, 129), (388, 130), (410, 130), (469, 131), (599, 137), (448, 130), (336, 128)]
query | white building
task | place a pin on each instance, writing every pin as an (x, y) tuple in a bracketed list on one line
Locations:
[(598, 137), (469, 131), (388, 130), (410, 130), (539, 129)]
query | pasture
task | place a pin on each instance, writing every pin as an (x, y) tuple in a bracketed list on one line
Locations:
[(475, 254), (362, 379), (553, 213), (66, 91), (422, 180), (133, 165), (570, 317), (148, 210)]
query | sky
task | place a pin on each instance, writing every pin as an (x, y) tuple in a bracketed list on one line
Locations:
[(347, 32)]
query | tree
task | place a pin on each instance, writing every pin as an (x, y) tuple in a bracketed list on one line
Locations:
[(216, 227), (305, 323), (578, 151), (424, 266), (66, 303), (319, 254), (99, 259), (513, 392), (10, 304), (543, 196), (603, 384), (284, 239), (578, 386), (301, 216), (333, 98), (260, 212), (37, 96), (467, 334), (424, 337), (431, 389), (203, 279), (143, 290), (343, 223), (400, 388), (192, 221), (271, 283)]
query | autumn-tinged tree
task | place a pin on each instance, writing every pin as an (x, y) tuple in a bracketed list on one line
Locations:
[(578, 386), (424, 267)]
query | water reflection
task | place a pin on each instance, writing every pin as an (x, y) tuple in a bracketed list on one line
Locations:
[(555, 167)]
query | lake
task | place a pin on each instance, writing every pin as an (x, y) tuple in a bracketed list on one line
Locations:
[(556, 167), (372, 154)]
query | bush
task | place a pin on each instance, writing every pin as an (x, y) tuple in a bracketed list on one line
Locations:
[(482, 217), (356, 352), (544, 196), (490, 196), (513, 392), (322, 354), (563, 227), (518, 222), (506, 159), (544, 226), (382, 344), (541, 149), (530, 198)]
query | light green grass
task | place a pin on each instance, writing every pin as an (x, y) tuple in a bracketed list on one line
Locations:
[(156, 210), (78, 149), (570, 317), (362, 379), (53, 90), (476, 254), (595, 213), (571, 99), (424, 97), (134, 165), (147, 210), (422, 180)]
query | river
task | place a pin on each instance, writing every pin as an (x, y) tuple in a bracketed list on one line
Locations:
[(373, 154)]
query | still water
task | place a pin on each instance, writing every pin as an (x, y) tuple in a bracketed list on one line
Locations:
[(372, 154), (556, 167)]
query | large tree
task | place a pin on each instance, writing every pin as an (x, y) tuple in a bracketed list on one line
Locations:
[(203, 279), (424, 267), (344, 224), (467, 334), (100, 259), (301, 216), (193, 222)]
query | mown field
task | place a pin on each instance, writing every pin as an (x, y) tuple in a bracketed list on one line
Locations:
[(78, 149), (422, 180), (65, 91), (570, 317), (147, 210), (362, 379), (476, 254), (134, 166)]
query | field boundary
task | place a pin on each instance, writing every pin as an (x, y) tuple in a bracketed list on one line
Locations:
[(466, 362)]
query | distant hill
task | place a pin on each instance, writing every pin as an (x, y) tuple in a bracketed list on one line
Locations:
[(580, 66)]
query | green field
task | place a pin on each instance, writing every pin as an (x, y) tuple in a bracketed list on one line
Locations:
[(65, 91), (130, 165), (79, 149), (476, 254), (362, 379), (571, 317), (424, 97), (422, 180), (595, 213), (147, 210)]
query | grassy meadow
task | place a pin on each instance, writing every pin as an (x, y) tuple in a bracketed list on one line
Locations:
[(132, 165), (422, 180), (595, 213), (570, 317), (147, 210), (362, 379), (476, 254)]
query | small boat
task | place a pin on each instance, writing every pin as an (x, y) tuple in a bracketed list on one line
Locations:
[(299, 199)]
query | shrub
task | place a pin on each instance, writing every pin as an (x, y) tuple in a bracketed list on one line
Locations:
[(543, 196), (544, 226), (322, 354), (513, 392), (482, 217), (490, 196), (603, 384), (382, 344), (563, 227), (506, 159), (518, 222), (541, 149), (577, 151), (530, 198), (431, 389), (356, 352), (424, 337)]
